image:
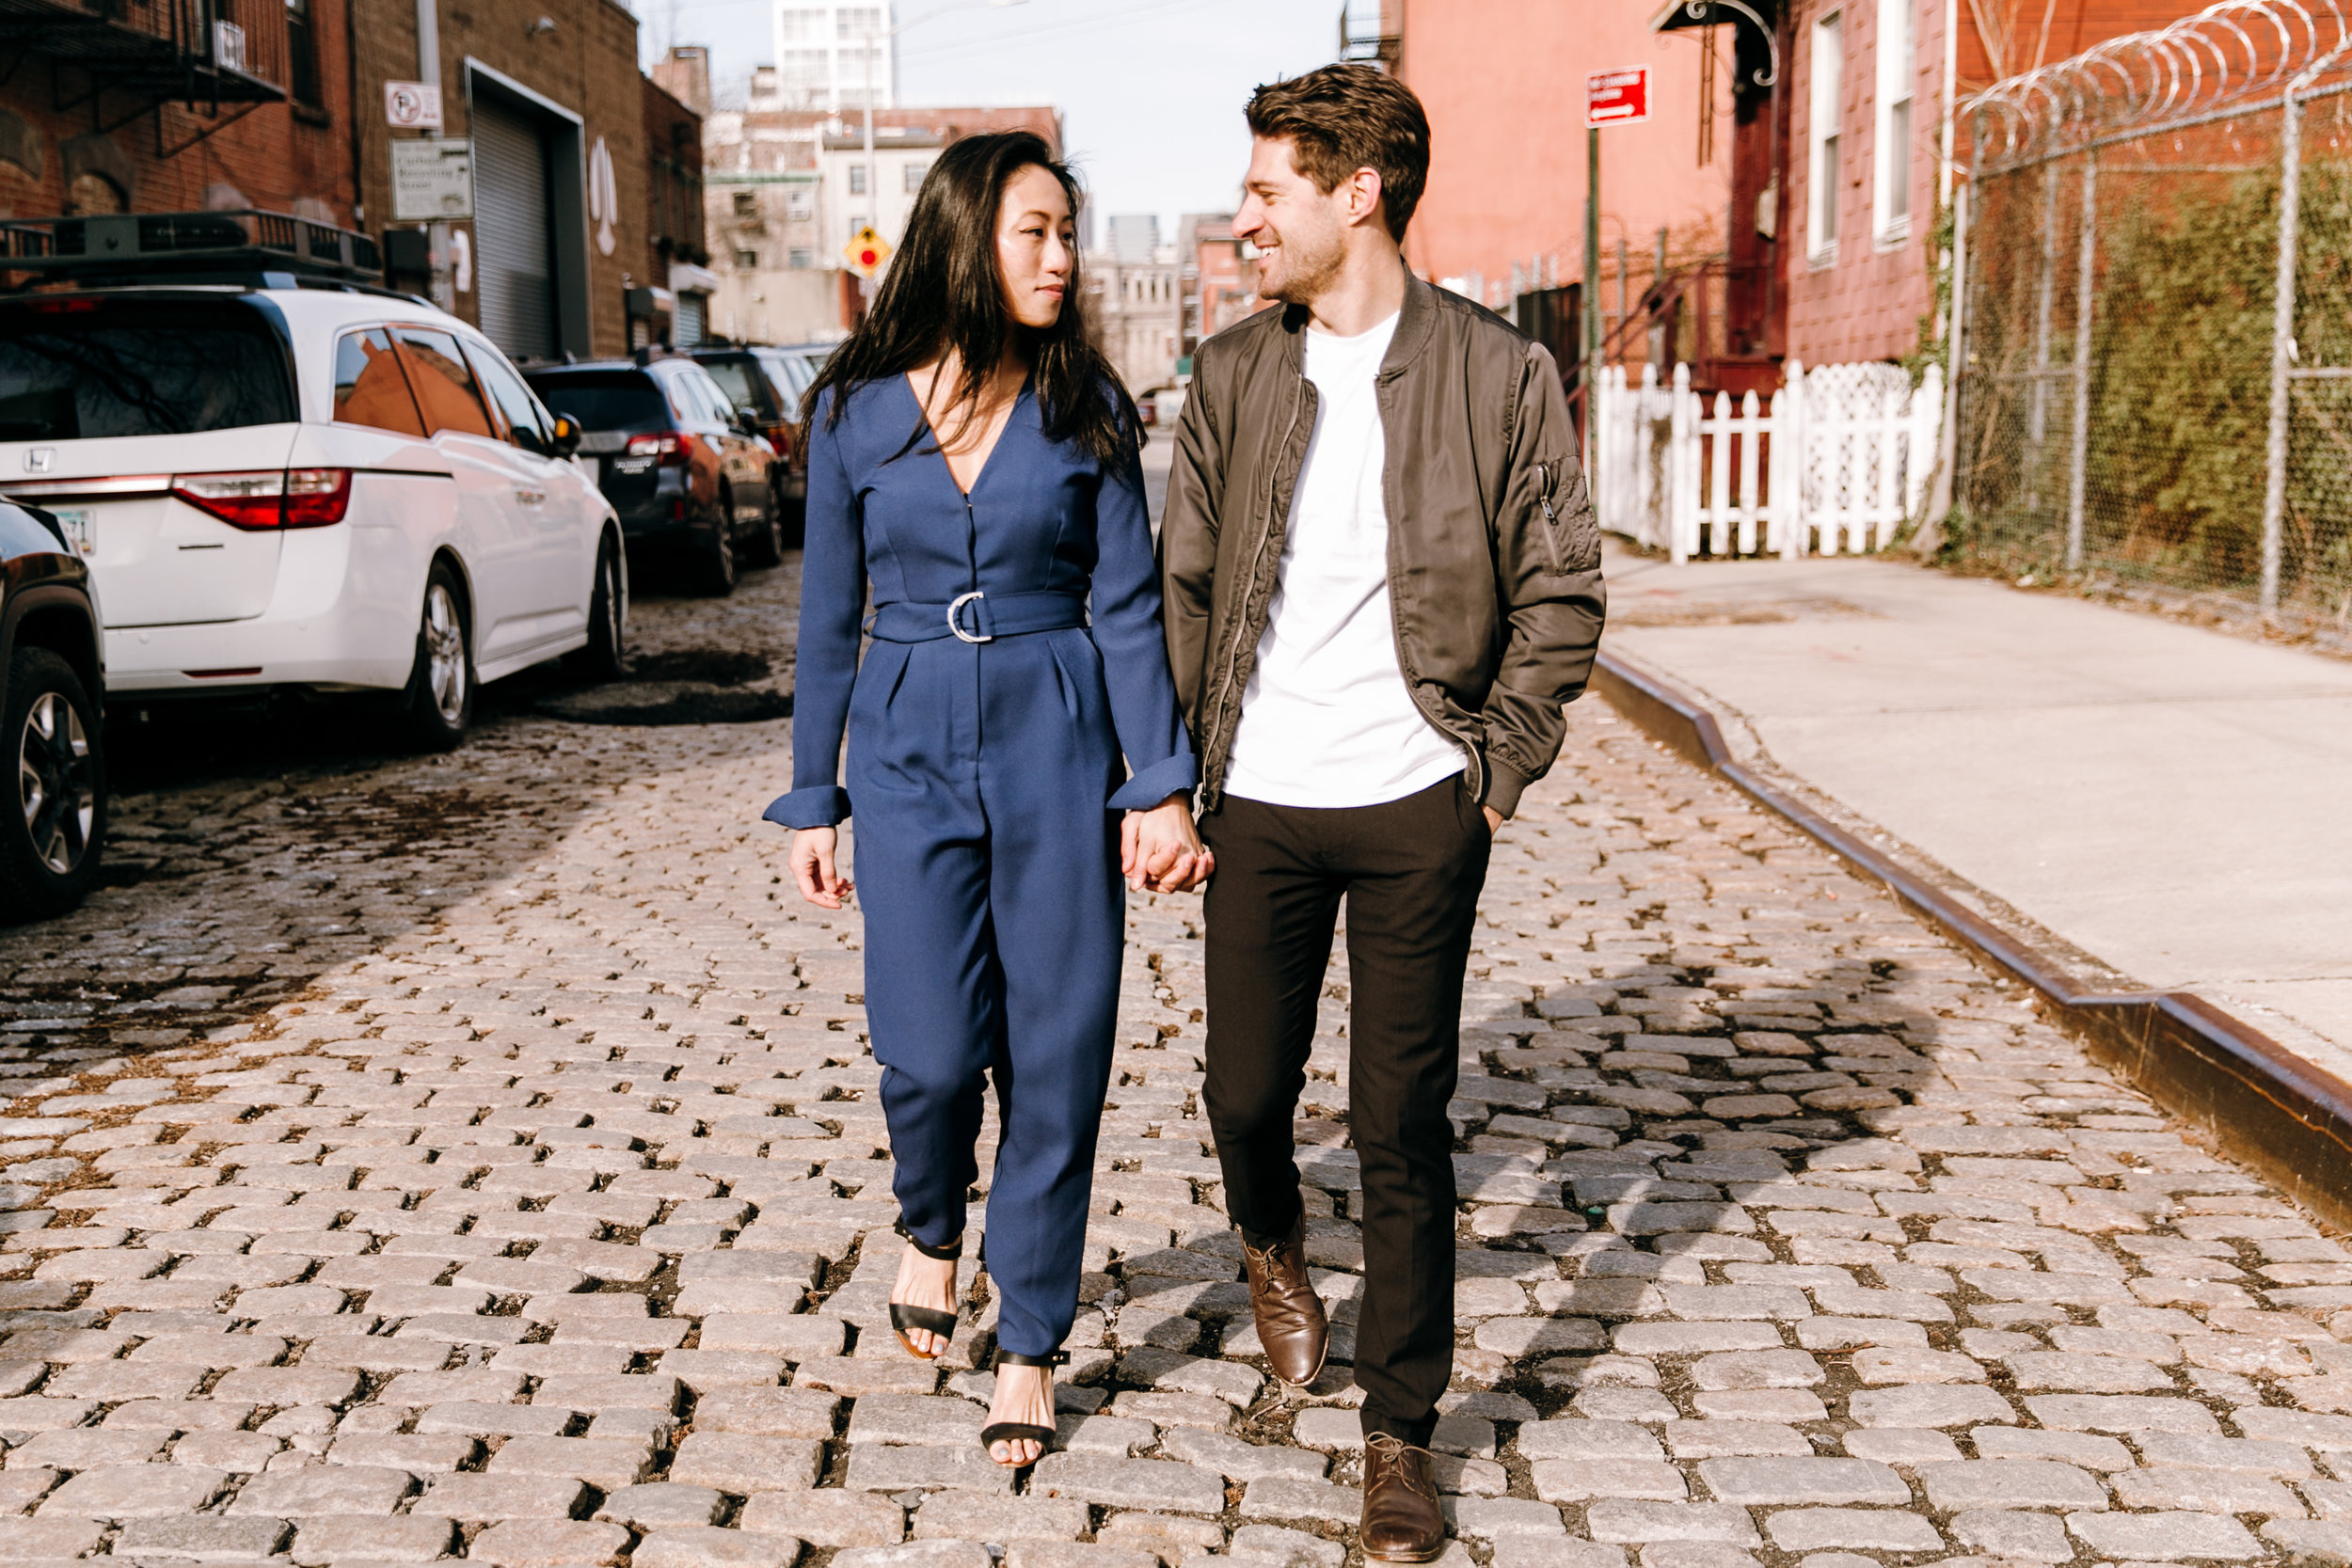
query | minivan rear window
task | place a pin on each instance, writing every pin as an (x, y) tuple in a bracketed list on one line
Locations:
[(604, 400), (79, 368)]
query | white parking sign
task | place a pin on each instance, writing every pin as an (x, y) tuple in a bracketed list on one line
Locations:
[(432, 178)]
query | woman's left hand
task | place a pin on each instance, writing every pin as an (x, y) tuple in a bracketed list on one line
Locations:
[(1161, 850)]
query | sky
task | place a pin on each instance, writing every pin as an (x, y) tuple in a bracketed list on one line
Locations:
[(1151, 90)]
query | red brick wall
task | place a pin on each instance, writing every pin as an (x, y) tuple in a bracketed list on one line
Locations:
[(588, 64), (1867, 304), (280, 157)]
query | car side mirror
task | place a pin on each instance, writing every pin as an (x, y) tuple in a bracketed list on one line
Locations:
[(746, 423), (564, 434)]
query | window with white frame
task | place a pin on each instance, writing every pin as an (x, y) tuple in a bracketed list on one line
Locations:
[(800, 24), (805, 67), (800, 257), (1827, 111), (1890, 196), (857, 178), (911, 176), (800, 206), (857, 22)]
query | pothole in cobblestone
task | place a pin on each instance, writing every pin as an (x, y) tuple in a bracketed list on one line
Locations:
[(637, 701), (709, 666), (678, 685)]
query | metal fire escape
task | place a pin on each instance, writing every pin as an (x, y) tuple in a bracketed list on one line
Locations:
[(220, 58)]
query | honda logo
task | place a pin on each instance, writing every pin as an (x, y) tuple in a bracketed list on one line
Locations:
[(40, 460)]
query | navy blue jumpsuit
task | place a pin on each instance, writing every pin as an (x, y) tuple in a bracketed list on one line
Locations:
[(985, 772)]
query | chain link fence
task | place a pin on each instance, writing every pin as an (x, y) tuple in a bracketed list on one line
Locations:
[(2141, 404)]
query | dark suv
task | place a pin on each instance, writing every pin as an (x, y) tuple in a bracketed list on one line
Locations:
[(682, 467), (53, 797), (768, 384)]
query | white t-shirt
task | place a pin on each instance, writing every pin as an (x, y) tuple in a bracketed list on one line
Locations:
[(1326, 719)]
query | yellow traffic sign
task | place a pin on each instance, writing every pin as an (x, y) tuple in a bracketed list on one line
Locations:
[(866, 251)]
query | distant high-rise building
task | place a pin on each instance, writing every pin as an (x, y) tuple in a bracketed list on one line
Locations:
[(1134, 236), (827, 56)]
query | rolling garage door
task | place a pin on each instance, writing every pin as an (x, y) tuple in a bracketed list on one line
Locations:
[(513, 254)]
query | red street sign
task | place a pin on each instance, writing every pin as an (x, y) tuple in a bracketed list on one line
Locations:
[(1618, 96)]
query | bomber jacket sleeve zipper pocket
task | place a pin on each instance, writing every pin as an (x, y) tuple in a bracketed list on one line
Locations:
[(1551, 520)]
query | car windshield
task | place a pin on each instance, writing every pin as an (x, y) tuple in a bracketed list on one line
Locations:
[(77, 369), (604, 400), (733, 377)]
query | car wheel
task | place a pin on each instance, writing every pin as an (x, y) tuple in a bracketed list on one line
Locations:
[(768, 541), (438, 703), (55, 822), (606, 657), (717, 551)]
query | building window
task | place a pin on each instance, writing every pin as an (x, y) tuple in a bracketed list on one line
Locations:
[(800, 258), (805, 66), (1827, 108), (302, 53), (800, 24), (1891, 196), (857, 178), (912, 176), (747, 204), (800, 206), (747, 261), (852, 23)]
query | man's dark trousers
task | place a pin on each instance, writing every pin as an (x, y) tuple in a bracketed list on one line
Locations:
[(1410, 870)]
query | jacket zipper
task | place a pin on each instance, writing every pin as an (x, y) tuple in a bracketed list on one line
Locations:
[(1233, 653), (1476, 762)]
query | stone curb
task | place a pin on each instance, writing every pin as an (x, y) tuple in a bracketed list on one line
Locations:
[(2263, 1105)]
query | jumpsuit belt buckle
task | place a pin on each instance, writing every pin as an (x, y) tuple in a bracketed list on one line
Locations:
[(955, 618)]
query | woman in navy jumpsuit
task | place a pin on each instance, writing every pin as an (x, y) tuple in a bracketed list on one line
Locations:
[(1017, 674)]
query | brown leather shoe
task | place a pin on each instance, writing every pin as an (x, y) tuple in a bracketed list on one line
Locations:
[(1291, 1325), (1402, 1521)]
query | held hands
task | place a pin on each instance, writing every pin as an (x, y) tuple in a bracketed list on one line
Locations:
[(1161, 850), (812, 867)]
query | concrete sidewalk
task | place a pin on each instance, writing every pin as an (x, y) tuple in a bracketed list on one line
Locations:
[(2173, 803)]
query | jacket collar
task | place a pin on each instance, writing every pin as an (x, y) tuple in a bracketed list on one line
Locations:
[(1416, 319)]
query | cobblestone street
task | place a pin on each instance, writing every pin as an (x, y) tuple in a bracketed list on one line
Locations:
[(480, 1156)]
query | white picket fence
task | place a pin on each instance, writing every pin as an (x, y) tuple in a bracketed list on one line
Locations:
[(1833, 462)]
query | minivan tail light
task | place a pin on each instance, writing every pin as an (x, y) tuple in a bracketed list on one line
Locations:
[(269, 498)]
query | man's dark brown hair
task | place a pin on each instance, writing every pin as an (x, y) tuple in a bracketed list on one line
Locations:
[(1344, 117)]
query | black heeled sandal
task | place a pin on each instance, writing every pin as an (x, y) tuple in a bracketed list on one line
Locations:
[(930, 1320), (1013, 1431)]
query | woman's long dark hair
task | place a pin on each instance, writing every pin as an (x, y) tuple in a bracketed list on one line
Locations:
[(944, 292)]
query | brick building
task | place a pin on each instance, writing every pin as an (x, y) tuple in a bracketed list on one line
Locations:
[(676, 310), (550, 95), (1220, 276), (1779, 202), (1867, 133), (127, 105), (784, 188)]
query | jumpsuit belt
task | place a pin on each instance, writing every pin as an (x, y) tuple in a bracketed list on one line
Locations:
[(978, 617)]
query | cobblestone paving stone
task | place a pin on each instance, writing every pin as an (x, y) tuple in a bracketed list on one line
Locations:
[(482, 1156)]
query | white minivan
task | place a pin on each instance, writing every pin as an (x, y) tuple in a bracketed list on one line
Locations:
[(334, 488)]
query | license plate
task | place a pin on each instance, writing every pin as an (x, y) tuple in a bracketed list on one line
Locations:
[(81, 528)]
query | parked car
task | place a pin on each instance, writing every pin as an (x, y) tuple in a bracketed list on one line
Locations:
[(766, 383), (52, 800), (327, 486), (681, 468)]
